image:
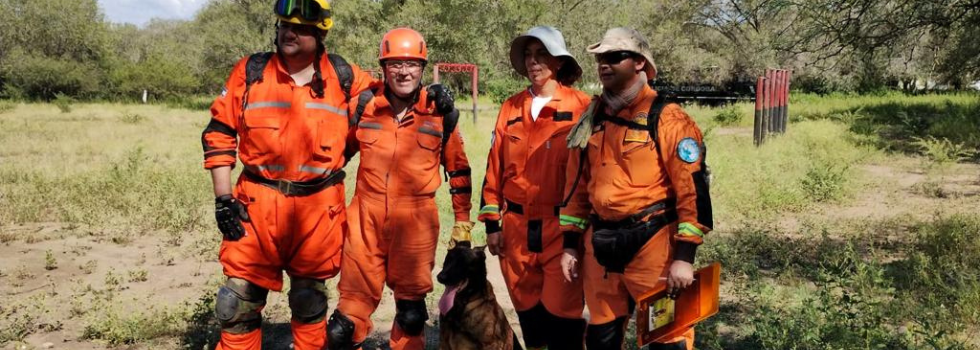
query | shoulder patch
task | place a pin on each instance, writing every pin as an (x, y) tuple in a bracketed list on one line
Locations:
[(688, 150)]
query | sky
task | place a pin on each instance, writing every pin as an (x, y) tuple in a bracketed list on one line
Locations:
[(139, 12)]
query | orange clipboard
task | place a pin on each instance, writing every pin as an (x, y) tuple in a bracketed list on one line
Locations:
[(659, 318)]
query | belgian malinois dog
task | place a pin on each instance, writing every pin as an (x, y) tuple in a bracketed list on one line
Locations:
[(469, 316)]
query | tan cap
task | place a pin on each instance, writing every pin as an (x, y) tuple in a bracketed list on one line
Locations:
[(626, 39)]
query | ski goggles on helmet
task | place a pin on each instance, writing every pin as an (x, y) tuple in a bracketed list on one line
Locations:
[(309, 10)]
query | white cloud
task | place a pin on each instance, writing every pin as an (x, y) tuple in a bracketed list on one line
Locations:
[(140, 12)]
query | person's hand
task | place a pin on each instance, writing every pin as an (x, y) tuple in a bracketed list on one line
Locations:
[(495, 243), (442, 97), (569, 264), (680, 276), (229, 213)]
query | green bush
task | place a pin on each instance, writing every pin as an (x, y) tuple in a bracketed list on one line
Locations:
[(500, 89), (116, 329), (63, 102), (42, 77), (194, 103), (729, 116), (942, 151), (6, 106), (942, 265), (132, 118), (161, 78), (825, 182)]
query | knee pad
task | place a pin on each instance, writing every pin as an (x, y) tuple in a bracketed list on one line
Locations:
[(681, 345), (238, 306), (308, 300), (411, 316), (340, 332), (534, 323), (606, 336)]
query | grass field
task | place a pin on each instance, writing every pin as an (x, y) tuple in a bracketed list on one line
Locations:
[(855, 230)]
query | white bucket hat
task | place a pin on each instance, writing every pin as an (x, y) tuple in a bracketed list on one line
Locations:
[(554, 42)]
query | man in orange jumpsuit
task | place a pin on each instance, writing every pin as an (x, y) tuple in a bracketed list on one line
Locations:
[(525, 181), (642, 192), (394, 220), (285, 116)]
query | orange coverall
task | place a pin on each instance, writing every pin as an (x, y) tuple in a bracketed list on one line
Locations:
[(524, 181), (622, 176), (286, 133), (394, 220)]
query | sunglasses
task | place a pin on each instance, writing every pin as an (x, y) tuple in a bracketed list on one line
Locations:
[(613, 57), (308, 10)]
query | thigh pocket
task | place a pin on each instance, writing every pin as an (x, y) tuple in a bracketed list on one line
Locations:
[(263, 135)]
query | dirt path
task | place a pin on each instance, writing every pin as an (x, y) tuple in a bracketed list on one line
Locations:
[(898, 190), (58, 287)]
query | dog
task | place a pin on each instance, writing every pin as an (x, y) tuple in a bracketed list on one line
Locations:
[(469, 316)]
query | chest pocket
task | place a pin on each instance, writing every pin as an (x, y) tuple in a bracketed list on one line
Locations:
[(368, 132), (640, 158), (263, 134), (330, 139), (635, 140), (429, 136)]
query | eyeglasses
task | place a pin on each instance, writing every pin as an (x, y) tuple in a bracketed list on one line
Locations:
[(613, 57), (400, 65), (308, 10)]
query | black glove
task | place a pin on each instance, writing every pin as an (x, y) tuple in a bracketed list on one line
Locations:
[(230, 213), (443, 98)]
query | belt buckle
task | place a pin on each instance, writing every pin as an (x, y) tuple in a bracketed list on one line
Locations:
[(284, 186)]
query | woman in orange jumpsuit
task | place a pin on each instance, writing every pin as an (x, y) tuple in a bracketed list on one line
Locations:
[(523, 191)]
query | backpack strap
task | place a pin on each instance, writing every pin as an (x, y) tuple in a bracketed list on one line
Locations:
[(253, 73), (345, 74), (255, 66), (449, 122), (362, 100), (653, 119)]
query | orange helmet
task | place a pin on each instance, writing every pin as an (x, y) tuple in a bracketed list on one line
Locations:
[(403, 43)]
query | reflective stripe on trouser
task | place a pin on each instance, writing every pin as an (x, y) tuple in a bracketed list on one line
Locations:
[(398, 240), (301, 235), (608, 295), (534, 278)]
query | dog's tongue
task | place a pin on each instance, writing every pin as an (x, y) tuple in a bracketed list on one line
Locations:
[(448, 298)]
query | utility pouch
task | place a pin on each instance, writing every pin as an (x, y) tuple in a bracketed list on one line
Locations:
[(615, 244)]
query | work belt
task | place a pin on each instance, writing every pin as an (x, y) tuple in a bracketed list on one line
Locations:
[(535, 242), (616, 243), (297, 188)]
